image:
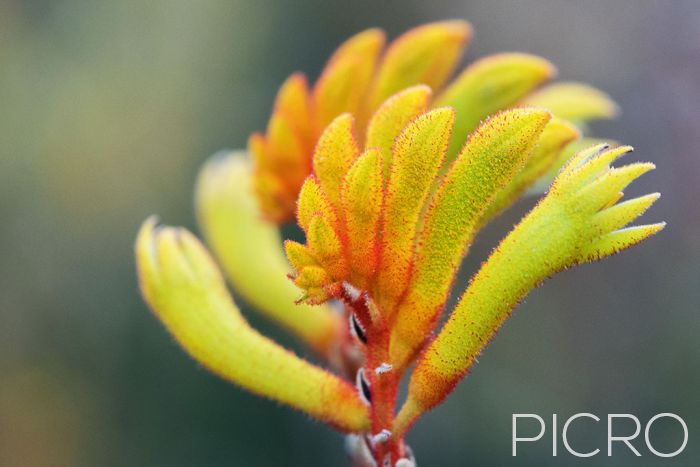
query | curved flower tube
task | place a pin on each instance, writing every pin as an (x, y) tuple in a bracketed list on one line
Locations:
[(184, 288)]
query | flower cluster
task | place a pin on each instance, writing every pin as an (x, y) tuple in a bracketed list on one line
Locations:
[(390, 174), (361, 75)]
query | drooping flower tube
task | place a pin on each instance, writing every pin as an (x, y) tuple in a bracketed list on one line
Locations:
[(390, 173)]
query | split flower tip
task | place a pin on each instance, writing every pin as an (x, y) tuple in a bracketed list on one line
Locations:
[(578, 221), (185, 290)]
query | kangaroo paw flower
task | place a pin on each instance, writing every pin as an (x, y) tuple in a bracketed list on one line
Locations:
[(578, 221), (185, 290), (490, 158), (390, 168)]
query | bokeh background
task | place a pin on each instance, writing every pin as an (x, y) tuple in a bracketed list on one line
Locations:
[(107, 109)]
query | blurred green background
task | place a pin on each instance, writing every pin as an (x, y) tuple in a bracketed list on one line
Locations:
[(109, 108)]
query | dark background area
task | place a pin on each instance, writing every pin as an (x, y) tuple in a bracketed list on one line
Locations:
[(107, 109)]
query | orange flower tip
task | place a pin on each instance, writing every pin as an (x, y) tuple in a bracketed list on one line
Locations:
[(461, 30), (550, 70), (295, 82)]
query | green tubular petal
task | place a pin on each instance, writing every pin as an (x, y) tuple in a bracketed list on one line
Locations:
[(184, 289), (251, 253)]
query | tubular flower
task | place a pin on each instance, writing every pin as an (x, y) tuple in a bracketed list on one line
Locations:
[(390, 185), (361, 74)]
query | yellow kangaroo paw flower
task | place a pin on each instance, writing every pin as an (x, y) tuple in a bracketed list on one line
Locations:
[(416, 158), (566, 228), (495, 151), (184, 289), (362, 191)]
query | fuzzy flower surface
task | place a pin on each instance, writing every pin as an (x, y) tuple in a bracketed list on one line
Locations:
[(390, 169)]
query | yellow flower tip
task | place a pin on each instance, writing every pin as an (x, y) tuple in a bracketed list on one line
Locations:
[(577, 102), (171, 254), (335, 152), (371, 39), (326, 246), (392, 116), (313, 201), (185, 290), (426, 54), (451, 33), (345, 79), (459, 29), (299, 255)]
